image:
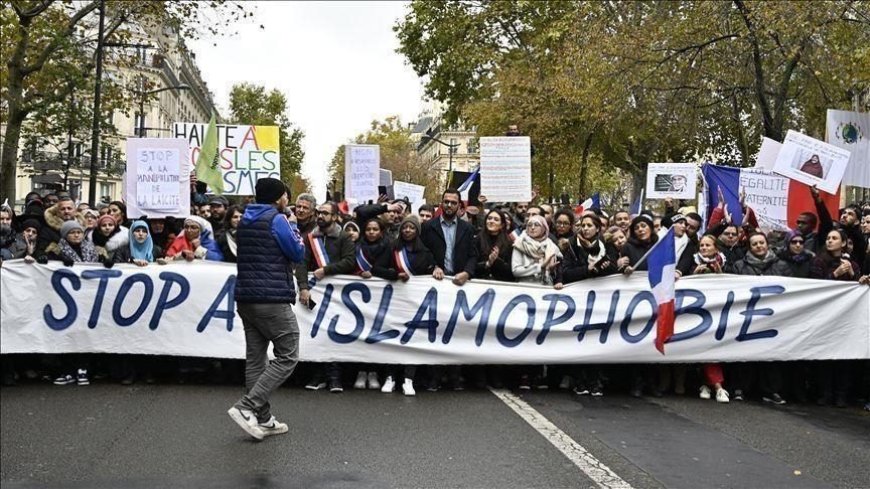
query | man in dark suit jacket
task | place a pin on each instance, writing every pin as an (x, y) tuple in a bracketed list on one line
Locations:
[(450, 240)]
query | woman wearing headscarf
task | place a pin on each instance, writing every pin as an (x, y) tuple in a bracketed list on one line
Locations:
[(141, 251), (795, 254), (195, 242), (536, 260), (834, 377), (410, 258), (91, 217), (813, 167), (351, 228)]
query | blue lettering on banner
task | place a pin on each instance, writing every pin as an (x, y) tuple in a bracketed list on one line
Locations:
[(103, 276), (626, 321), (375, 335), (72, 311), (430, 305), (483, 305), (466, 312), (751, 311), (723, 319), (550, 321), (587, 325), (696, 308), (229, 313), (502, 321), (145, 280), (366, 295), (163, 302), (321, 313)]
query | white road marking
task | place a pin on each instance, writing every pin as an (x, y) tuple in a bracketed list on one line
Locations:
[(585, 461)]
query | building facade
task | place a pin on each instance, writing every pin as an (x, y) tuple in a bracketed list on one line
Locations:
[(445, 147), (165, 86)]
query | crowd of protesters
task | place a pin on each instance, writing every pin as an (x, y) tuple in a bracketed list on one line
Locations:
[(540, 244)]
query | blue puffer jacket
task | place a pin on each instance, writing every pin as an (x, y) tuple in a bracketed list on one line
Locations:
[(266, 244)]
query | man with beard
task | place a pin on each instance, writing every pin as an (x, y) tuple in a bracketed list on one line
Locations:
[(55, 216), (850, 222), (450, 240), (328, 251), (218, 206)]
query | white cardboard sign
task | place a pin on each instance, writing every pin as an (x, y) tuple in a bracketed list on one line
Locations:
[(506, 168)]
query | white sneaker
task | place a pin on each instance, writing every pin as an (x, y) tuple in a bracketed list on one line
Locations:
[(705, 392), (408, 388), (389, 385), (360, 381), (247, 420), (373, 381), (273, 427), (82, 377), (722, 396)]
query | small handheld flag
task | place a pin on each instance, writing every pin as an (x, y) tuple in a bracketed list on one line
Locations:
[(207, 168), (662, 265)]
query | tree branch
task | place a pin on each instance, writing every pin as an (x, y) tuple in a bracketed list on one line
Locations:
[(55, 44)]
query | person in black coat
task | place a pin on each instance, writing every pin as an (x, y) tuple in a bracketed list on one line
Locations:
[(795, 254), (586, 255), (494, 249), (409, 248), (374, 252), (461, 260), (640, 240)]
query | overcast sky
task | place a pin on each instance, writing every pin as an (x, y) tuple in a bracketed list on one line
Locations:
[(335, 61)]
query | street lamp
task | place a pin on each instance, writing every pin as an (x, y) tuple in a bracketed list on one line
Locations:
[(142, 96), (450, 148)]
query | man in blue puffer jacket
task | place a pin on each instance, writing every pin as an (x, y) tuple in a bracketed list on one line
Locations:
[(267, 243)]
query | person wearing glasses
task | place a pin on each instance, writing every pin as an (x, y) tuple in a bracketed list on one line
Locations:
[(796, 255), (451, 241), (328, 251)]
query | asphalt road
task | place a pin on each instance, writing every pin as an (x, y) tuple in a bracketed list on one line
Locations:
[(144, 436)]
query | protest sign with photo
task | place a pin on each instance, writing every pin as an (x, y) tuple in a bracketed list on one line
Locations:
[(674, 180), (506, 168), (362, 163), (811, 161), (246, 153), (158, 177)]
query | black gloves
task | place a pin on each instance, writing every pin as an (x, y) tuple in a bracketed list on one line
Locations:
[(42, 259), (108, 263), (67, 262)]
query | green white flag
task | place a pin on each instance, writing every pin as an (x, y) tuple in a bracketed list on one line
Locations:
[(207, 167)]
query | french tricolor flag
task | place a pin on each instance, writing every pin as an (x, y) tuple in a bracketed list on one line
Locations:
[(591, 202), (662, 263), (776, 200)]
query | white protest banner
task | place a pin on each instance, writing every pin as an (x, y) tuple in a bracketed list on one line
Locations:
[(188, 309), (247, 153), (362, 163), (157, 177), (811, 161), (414, 193), (851, 131), (674, 180), (506, 168), (767, 154)]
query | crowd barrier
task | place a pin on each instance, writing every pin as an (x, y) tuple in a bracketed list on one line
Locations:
[(187, 309)]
